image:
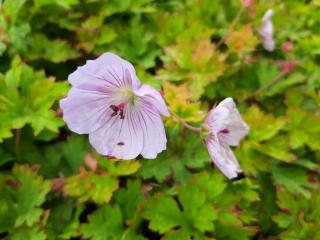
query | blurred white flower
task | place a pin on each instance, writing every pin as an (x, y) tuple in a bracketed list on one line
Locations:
[(266, 31)]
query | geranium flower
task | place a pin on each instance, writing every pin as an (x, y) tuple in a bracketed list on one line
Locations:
[(225, 128), (121, 115), (266, 31)]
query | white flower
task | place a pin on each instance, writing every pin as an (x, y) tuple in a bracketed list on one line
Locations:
[(226, 128), (266, 31)]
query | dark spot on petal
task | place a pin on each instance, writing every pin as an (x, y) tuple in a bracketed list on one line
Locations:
[(225, 131), (120, 143)]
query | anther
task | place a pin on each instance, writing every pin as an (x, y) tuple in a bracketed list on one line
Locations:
[(115, 110), (121, 114)]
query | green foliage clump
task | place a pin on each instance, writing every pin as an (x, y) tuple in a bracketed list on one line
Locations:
[(54, 186)]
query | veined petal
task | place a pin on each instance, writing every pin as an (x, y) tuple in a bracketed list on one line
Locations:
[(154, 136), (85, 109), (226, 122), (120, 138), (108, 69), (223, 157), (153, 98)]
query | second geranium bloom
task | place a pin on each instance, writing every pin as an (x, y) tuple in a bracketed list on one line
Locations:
[(225, 128), (121, 115)]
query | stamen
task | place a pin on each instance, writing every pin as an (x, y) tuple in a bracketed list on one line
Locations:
[(121, 114), (120, 143), (115, 110), (118, 109)]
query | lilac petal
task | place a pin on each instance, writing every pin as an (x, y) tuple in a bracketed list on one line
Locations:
[(120, 138), (268, 44), (216, 119), (266, 31), (154, 136), (153, 98), (86, 108), (226, 121), (267, 16), (108, 69), (223, 157)]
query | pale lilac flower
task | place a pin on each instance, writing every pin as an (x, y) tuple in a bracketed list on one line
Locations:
[(266, 31), (121, 115), (225, 128)]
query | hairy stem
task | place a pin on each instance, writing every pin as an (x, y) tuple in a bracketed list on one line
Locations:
[(184, 123)]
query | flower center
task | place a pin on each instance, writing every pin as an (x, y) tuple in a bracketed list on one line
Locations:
[(124, 96), (118, 110)]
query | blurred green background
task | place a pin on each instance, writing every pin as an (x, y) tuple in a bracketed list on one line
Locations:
[(54, 186)]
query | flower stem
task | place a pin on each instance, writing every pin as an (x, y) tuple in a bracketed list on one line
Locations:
[(184, 123), (231, 26), (264, 87)]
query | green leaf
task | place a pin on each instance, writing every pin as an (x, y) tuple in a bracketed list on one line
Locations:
[(262, 126), (159, 169), (212, 184), (164, 214), (30, 233), (23, 193), (74, 150), (195, 217), (59, 51), (284, 84), (293, 178), (132, 192), (64, 220), (106, 224), (119, 168), (91, 186), (266, 72), (277, 148), (28, 97), (224, 231)]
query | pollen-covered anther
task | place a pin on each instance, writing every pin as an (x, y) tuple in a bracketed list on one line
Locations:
[(118, 110), (115, 110)]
